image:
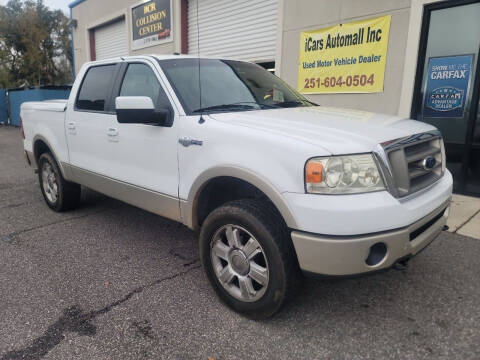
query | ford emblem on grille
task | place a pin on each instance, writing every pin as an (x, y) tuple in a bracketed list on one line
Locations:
[(429, 163)]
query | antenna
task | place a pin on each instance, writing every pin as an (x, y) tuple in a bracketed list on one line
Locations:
[(201, 120)]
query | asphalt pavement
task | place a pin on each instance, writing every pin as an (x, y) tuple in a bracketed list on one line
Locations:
[(110, 281)]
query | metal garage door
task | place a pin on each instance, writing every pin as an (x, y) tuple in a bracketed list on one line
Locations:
[(111, 40), (240, 29)]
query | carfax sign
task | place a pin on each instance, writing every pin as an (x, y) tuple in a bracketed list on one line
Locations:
[(345, 58), (151, 23), (446, 86)]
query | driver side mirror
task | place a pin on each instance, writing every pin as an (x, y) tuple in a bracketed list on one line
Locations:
[(140, 110)]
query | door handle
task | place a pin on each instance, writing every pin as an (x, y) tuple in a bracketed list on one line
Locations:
[(186, 141), (112, 134), (71, 128)]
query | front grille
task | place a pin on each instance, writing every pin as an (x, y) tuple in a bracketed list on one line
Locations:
[(409, 162)]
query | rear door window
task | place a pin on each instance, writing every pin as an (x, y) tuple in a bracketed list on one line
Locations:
[(96, 88)]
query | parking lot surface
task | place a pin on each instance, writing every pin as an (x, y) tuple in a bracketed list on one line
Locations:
[(109, 281)]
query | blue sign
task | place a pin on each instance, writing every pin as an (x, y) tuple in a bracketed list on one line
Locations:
[(447, 86)]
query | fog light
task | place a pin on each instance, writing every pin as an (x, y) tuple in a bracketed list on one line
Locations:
[(376, 255)]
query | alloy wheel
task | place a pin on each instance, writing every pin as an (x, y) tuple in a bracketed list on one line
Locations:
[(49, 182), (239, 263)]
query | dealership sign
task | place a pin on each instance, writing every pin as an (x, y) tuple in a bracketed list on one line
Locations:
[(151, 23), (345, 58), (446, 88)]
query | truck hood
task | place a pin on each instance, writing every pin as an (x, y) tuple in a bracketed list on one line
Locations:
[(339, 131)]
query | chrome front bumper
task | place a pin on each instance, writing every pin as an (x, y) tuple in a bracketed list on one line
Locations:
[(347, 255)]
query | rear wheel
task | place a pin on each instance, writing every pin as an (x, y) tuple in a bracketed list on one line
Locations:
[(248, 257), (59, 194)]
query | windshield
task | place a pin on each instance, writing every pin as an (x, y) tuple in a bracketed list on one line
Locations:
[(227, 85)]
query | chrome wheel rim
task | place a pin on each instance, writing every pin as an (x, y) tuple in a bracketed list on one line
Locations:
[(49, 182), (239, 263)]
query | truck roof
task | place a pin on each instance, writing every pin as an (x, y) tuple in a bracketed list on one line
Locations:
[(156, 56)]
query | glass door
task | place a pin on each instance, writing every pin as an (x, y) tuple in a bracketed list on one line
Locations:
[(472, 181), (446, 87)]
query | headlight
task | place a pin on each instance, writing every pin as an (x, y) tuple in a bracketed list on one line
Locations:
[(343, 175)]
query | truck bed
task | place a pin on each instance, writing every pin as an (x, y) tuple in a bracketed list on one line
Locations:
[(57, 105), (45, 120)]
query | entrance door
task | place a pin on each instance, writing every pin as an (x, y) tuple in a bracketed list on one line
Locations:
[(472, 183), (447, 82)]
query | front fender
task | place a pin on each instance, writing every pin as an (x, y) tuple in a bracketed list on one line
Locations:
[(189, 206)]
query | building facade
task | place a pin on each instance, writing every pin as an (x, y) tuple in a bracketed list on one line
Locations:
[(430, 73)]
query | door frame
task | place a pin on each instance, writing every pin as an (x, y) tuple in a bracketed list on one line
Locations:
[(417, 100)]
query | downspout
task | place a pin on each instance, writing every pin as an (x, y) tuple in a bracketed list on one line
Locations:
[(73, 46)]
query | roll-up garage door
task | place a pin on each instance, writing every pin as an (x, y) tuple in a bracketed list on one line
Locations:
[(239, 29), (111, 40)]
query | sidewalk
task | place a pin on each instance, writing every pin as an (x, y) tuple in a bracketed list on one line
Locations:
[(464, 216)]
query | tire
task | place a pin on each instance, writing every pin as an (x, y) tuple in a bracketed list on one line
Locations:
[(59, 194), (227, 238)]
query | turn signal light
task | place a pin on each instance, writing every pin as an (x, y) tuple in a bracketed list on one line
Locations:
[(314, 172)]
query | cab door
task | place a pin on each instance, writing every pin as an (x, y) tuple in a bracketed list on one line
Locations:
[(88, 117), (145, 155)]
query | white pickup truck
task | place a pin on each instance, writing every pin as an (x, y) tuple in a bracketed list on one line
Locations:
[(277, 185)]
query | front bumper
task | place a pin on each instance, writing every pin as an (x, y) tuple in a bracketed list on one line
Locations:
[(354, 214), (347, 255)]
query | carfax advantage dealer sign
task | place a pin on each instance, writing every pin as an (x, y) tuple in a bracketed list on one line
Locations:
[(345, 58), (151, 23)]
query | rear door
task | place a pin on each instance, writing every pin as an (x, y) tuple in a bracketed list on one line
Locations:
[(88, 121)]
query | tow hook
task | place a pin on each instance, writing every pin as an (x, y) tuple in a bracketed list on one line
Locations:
[(445, 228), (401, 265)]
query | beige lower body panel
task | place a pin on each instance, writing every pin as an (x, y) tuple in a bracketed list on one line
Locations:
[(340, 256), (157, 203)]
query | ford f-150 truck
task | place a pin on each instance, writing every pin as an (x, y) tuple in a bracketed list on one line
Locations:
[(276, 185)]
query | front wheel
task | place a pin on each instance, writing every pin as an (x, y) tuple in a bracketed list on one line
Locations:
[(248, 257)]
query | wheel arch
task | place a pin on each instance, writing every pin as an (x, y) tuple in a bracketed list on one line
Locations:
[(190, 207), (40, 146)]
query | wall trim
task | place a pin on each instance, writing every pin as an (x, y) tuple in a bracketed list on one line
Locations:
[(184, 25), (75, 3), (411, 56), (279, 41), (91, 37), (176, 24), (73, 45)]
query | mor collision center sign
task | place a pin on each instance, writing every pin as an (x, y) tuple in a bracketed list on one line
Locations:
[(151, 23), (345, 58)]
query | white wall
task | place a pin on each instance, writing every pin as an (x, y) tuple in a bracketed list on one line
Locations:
[(304, 15), (92, 13)]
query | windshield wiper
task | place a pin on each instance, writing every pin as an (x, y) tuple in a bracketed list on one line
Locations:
[(243, 105), (293, 103), (224, 107)]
